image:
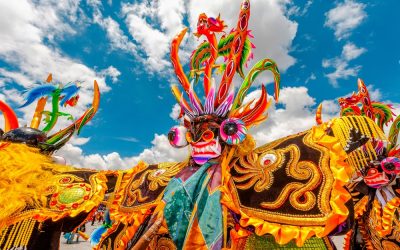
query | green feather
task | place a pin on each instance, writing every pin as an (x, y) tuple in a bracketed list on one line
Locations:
[(202, 53), (244, 57), (394, 133), (383, 113), (347, 111)]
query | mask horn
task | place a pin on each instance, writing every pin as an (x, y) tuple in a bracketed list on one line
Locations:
[(10, 118)]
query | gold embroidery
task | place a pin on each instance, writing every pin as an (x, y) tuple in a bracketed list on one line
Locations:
[(255, 173), (260, 176), (71, 192), (251, 168), (135, 195), (395, 229), (327, 177), (360, 207), (341, 128), (55, 210), (161, 177), (119, 237), (19, 234), (365, 236), (157, 177), (383, 223), (300, 195), (68, 178), (318, 175)]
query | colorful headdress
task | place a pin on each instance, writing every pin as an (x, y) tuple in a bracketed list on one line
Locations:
[(354, 109), (380, 112), (61, 95), (236, 50)]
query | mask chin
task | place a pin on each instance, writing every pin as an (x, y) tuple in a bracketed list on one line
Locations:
[(202, 152), (200, 160)]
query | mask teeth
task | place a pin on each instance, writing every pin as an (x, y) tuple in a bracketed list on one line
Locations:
[(225, 106), (209, 105), (197, 109), (214, 148)]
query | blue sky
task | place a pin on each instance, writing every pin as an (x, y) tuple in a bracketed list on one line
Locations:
[(320, 46)]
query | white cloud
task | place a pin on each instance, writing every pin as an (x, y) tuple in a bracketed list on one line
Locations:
[(113, 30), (111, 72), (153, 25), (351, 51), (331, 107), (25, 27), (341, 63), (161, 151), (79, 141), (28, 44), (342, 71), (375, 94), (75, 156), (175, 112), (116, 35), (18, 77), (345, 17), (170, 14), (128, 139), (312, 77), (295, 10)]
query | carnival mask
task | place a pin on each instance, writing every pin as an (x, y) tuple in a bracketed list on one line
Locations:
[(207, 136), (381, 173), (391, 165), (204, 140), (376, 178)]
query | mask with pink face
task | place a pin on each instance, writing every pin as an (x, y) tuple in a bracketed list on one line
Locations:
[(207, 136)]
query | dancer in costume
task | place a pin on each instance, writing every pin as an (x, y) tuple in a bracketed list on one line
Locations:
[(375, 185), (287, 194), (39, 197)]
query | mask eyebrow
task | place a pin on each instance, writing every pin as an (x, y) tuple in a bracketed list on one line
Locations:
[(214, 124)]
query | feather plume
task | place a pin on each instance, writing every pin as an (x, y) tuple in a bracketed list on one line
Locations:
[(68, 91), (38, 92)]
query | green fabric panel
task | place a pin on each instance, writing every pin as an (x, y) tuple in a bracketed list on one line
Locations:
[(181, 197)]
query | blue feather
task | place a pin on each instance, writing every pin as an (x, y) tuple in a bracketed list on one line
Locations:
[(38, 92), (96, 235), (98, 232), (68, 91)]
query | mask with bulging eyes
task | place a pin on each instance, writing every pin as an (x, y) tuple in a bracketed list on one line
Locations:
[(207, 136), (391, 165), (177, 137), (380, 173)]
